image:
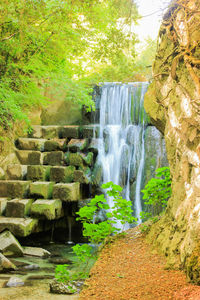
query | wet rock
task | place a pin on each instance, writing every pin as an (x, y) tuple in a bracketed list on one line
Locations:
[(60, 261), (93, 146), (61, 288), (6, 264), (106, 137), (32, 267), (89, 159), (97, 174), (124, 166), (14, 282), (34, 251), (9, 243)]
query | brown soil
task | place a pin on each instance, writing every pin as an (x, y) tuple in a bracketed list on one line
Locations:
[(127, 269)]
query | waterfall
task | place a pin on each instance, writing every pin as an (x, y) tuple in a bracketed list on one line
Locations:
[(121, 148)]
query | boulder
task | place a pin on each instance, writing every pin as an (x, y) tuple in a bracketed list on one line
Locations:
[(34, 251), (62, 288), (9, 243), (67, 191)]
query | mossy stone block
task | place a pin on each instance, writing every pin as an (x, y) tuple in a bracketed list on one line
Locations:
[(89, 159), (55, 145), (38, 173), (89, 131), (18, 208), (20, 227), (80, 176), (77, 145), (74, 159), (67, 191), (48, 209), (62, 174), (28, 157), (41, 189), (55, 158), (3, 203), (50, 132), (69, 132), (14, 189), (30, 144)]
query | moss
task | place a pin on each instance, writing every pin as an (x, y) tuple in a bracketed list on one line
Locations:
[(193, 266)]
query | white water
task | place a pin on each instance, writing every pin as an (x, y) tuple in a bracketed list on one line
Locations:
[(122, 124)]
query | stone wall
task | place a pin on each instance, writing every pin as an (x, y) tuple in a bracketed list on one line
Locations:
[(173, 103)]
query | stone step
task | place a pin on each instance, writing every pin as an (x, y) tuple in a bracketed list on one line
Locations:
[(20, 227), (18, 208), (75, 145), (29, 157), (30, 144), (62, 174), (14, 188), (47, 209), (68, 192), (41, 189), (89, 131), (38, 173), (16, 172), (3, 204), (46, 132)]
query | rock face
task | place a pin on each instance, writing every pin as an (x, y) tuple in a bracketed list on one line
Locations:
[(172, 101)]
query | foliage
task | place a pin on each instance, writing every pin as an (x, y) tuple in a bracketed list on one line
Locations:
[(97, 232), (61, 46), (157, 192)]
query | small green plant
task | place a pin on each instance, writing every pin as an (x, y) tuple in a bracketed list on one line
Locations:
[(156, 193), (96, 232), (62, 274)]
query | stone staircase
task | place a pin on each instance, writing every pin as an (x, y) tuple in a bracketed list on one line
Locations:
[(55, 164)]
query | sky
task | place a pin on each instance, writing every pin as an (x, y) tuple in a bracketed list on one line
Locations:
[(149, 25)]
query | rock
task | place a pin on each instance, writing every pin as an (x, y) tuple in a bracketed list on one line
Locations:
[(29, 157), (16, 172), (61, 288), (97, 174), (34, 251), (41, 189), (32, 267), (49, 209), (89, 159), (18, 208), (9, 243), (55, 158), (13, 189), (6, 264), (38, 173), (77, 145), (69, 132), (18, 226), (124, 166), (3, 203), (30, 144), (60, 261), (15, 281), (67, 192), (36, 131), (106, 139), (62, 174)]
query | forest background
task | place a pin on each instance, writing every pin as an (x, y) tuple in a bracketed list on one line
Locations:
[(68, 47)]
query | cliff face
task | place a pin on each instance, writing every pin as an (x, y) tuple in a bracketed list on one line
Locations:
[(173, 102)]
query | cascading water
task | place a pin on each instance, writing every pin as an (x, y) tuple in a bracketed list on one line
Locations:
[(121, 147)]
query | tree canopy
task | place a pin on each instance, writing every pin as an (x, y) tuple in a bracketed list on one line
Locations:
[(66, 45)]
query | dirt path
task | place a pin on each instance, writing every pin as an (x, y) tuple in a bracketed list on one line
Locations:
[(128, 270)]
